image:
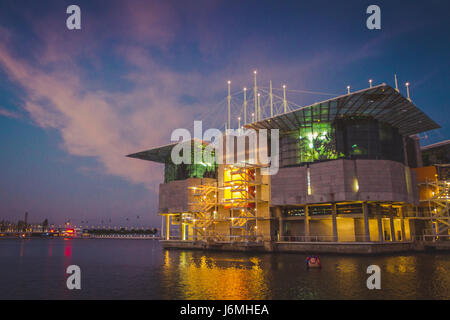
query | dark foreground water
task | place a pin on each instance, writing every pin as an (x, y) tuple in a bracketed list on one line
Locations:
[(141, 269)]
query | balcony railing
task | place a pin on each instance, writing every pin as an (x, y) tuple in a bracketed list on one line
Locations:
[(221, 238)]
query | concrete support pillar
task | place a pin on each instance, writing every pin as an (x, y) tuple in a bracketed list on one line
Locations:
[(333, 217), (391, 220), (405, 153), (365, 209), (167, 227), (435, 228), (162, 228), (307, 233), (280, 224), (380, 229), (402, 222), (182, 229), (194, 230)]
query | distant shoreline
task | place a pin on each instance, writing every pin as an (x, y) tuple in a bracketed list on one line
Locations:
[(83, 238)]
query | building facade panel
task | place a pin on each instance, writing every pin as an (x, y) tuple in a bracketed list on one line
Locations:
[(289, 186), (175, 196), (345, 180)]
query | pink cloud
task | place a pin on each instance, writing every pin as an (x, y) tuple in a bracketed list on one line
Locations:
[(99, 124), (107, 124), (9, 114)]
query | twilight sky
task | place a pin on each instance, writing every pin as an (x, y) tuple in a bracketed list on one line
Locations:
[(74, 103)]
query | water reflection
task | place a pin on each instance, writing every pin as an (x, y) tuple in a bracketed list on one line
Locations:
[(68, 248), (128, 269), (198, 276), (220, 275), (22, 246), (50, 249)]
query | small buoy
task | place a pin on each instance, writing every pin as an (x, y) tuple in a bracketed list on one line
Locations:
[(313, 262)]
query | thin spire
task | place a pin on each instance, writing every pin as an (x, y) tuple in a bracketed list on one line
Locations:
[(407, 90), (271, 100), (229, 104), (259, 107), (245, 106), (256, 96)]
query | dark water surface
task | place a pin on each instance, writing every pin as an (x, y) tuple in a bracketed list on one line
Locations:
[(141, 269)]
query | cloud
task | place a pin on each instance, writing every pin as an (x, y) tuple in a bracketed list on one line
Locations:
[(111, 99), (65, 88), (9, 114), (105, 125)]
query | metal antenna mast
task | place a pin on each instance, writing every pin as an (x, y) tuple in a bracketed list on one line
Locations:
[(245, 106), (407, 90), (256, 97), (229, 105), (271, 100), (259, 106), (396, 83)]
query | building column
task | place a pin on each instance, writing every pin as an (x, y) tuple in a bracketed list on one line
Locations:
[(402, 222), (307, 233), (380, 229), (194, 230), (280, 224), (391, 220), (333, 217), (161, 232), (435, 226), (365, 209), (405, 153), (167, 227), (182, 228)]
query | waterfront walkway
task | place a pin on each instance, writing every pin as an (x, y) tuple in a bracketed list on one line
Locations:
[(311, 247)]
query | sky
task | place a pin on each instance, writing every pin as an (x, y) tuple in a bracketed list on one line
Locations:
[(73, 103)]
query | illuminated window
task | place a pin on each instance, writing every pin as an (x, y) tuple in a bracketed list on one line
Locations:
[(308, 178)]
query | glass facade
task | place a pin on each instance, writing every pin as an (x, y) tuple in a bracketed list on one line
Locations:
[(437, 155), (294, 212), (193, 170), (320, 210), (348, 138), (324, 210), (310, 143), (349, 208), (362, 138)]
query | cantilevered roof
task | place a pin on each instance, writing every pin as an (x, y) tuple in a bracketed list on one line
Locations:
[(161, 154), (380, 102), (435, 145)]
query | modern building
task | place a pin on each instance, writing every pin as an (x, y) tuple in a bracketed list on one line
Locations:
[(344, 178)]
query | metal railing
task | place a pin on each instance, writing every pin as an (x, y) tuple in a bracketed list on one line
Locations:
[(220, 238), (123, 236), (356, 238), (433, 238)]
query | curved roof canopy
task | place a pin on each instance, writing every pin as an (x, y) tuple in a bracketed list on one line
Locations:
[(381, 102), (435, 145), (163, 154)]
